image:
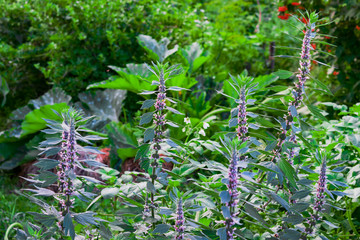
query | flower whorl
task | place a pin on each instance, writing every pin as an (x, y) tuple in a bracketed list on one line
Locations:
[(233, 192), (319, 202), (242, 128), (68, 157), (303, 75), (180, 220)]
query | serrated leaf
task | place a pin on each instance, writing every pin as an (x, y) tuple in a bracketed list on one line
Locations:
[(148, 103), (46, 164), (146, 118), (142, 152), (221, 232), (161, 228), (254, 213), (225, 196), (86, 218), (226, 212), (316, 112), (150, 187), (233, 122), (323, 86), (149, 134), (300, 194), (293, 218), (280, 200), (69, 226)]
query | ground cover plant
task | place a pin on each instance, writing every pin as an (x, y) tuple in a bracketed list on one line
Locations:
[(244, 156)]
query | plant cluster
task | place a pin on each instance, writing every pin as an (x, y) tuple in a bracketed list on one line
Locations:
[(238, 165)]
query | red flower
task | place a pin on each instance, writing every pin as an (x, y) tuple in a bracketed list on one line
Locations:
[(357, 27), (327, 37), (314, 62), (313, 46), (335, 73), (295, 3), (284, 17), (283, 9), (304, 20)]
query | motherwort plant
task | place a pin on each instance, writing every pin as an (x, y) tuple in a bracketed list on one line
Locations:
[(62, 154), (155, 134), (303, 75), (319, 202)]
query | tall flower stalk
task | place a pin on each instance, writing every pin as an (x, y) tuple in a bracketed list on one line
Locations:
[(298, 92), (66, 165), (156, 134), (242, 128), (234, 193), (243, 87), (319, 202), (180, 220), (61, 151)]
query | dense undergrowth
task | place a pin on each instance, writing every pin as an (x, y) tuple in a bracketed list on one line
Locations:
[(184, 141)]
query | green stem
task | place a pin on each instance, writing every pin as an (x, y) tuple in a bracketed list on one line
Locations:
[(349, 213), (10, 228)]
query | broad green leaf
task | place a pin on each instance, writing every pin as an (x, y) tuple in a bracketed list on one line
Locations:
[(283, 74), (34, 120)]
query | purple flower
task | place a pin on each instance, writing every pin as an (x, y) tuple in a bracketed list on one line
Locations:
[(234, 193), (66, 167), (319, 202), (242, 129), (180, 220), (303, 75)]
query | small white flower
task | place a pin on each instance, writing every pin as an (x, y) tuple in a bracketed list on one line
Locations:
[(205, 125), (184, 129), (187, 120), (202, 132)]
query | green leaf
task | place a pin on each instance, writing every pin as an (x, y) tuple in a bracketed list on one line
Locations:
[(280, 200), (158, 51), (129, 78), (4, 89), (161, 228), (142, 152), (221, 232), (225, 197), (323, 86), (69, 226), (283, 74), (125, 153), (146, 118), (316, 112), (149, 135), (254, 213), (289, 171), (34, 120), (109, 192), (148, 103)]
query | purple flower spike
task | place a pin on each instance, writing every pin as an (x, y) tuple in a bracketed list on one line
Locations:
[(319, 202), (242, 129), (180, 220), (68, 157), (303, 75), (234, 193), (321, 188)]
